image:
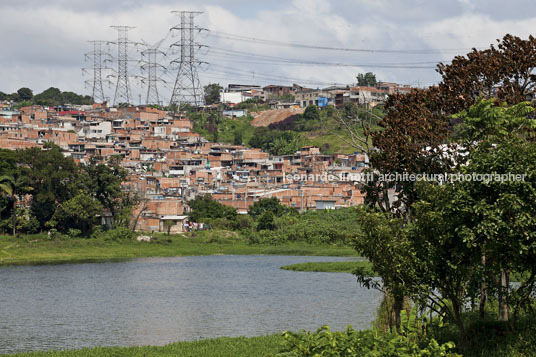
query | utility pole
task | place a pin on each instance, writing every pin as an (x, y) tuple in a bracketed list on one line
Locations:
[(187, 88), (98, 57), (122, 89)]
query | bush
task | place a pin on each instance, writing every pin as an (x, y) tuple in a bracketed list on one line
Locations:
[(117, 235), (218, 223), (324, 342), (266, 221), (244, 222), (266, 237), (73, 233)]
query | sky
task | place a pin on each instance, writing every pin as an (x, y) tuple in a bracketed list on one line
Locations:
[(44, 42)]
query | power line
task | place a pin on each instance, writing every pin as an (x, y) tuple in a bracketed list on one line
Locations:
[(266, 76), (233, 37), (276, 59), (317, 63)]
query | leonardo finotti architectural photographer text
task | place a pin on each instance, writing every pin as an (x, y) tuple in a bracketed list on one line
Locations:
[(406, 177)]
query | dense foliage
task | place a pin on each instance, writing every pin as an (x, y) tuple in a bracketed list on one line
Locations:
[(212, 93), (368, 79), (277, 142), (409, 341), (50, 97), (453, 247), (204, 207), (55, 192)]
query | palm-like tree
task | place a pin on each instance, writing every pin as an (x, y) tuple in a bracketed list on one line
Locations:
[(12, 186)]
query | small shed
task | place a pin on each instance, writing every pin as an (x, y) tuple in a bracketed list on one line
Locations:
[(175, 224)]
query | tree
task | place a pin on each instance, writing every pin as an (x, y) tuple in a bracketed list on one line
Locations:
[(50, 96), (383, 239), (272, 205), (358, 127), (212, 93), (311, 113), (237, 137), (368, 79), (488, 128), (412, 140), (204, 206), (266, 221), (168, 223), (14, 186), (103, 181), (505, 71), (25, 94), (54, 178), (80, 212)]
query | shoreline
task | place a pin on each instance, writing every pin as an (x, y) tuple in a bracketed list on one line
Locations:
[(28, 251), (257, 346)]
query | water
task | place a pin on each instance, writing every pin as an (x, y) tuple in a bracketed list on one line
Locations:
[(156, 301)]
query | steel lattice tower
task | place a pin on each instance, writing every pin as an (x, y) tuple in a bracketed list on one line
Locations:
[(187, 88), (97, 57), (151, 65), (122, 89)]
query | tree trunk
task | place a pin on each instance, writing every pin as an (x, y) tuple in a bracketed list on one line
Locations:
[(457, 314), (398, 304), (142, 209), (483, 290), (504, 313), (14, 215)]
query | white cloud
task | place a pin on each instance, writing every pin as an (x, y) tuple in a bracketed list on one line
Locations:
[(45, 41)]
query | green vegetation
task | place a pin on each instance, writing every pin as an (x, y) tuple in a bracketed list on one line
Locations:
[(62, 195), (331, 267), (277, 142), (50, 97), (120, 244), (270, 222), (217, 128), (368, 79), (314, 227), (252, 105), (451, 248), (324, 342), (212, 93), (319, 127), (204, 207), (489, 337), (218, 347)]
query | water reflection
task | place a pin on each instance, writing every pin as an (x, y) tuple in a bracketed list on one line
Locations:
[(155, 301)]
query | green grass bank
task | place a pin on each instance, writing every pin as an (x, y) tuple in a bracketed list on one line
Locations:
[(40, 249), (218, 347), (331, 267)]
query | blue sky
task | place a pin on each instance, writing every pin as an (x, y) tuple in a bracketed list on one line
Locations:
[(44, 41)]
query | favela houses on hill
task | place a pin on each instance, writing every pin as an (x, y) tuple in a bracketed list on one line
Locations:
[(303, 178)]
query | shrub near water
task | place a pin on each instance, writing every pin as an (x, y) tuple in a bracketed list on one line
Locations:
[(117, 235), (367, 343)]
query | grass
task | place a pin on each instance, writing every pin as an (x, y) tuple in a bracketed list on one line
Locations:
[(331, 267), (38, 249), (217, 347)]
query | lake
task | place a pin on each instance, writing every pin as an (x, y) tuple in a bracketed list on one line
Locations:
[(155, 301)]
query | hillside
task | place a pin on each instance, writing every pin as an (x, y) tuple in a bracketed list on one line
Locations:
[(270, 117)]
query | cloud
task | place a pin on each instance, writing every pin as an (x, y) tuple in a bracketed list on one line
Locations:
[(45, 41)]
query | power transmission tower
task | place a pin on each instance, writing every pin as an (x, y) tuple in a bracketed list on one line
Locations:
[(187, 88), (122, 89), (98, 56), (151, 66)]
